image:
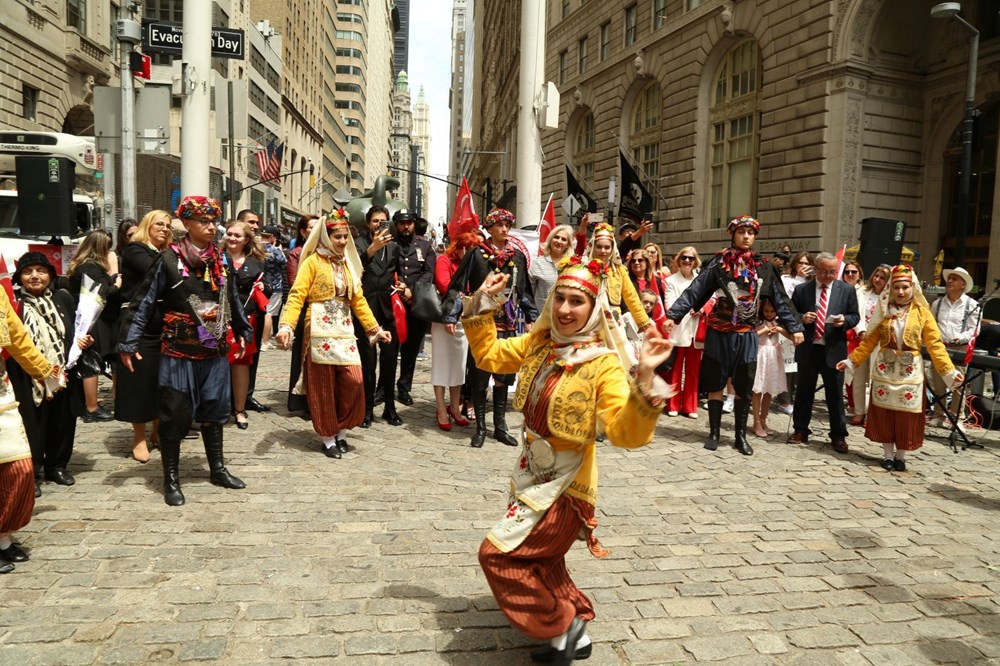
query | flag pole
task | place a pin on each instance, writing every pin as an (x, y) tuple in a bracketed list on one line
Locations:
[(642, 172)]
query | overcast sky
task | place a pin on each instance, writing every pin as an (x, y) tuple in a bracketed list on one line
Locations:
[(430, 67)]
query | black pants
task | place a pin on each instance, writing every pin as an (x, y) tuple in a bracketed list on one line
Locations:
[(417, 330), (51, 428), (297, 403), (813, 367), (381, 355)]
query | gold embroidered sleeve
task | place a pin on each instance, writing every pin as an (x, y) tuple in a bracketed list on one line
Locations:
[(631, 300), (629, 419), (297, 294), (20, 345), (867, 346), (504, 356)]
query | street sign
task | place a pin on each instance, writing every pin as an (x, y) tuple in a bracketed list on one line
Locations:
[(168, 37), (570, 205), (152, 112)]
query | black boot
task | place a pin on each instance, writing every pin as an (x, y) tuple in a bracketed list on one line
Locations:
[(369, 412), (479, 407), (170, 454), (500, 417), (741, 413), (714, 424), (211, 435)]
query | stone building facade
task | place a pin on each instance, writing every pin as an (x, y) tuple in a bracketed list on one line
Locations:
[(810, 114), (401, 137)]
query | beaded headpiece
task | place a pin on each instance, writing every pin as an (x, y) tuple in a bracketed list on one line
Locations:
[(338, 219), (902, 272), (576, 274), (198, 206), (744, 221), (498, 215), (604, 230)]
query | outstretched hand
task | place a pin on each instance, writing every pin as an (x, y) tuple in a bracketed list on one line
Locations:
[(655, 351), (495, 283)]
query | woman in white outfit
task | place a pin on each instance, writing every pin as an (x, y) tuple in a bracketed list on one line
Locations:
[(687, 357), (867, 301)]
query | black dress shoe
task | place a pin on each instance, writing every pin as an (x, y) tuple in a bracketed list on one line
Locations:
[(367, 422), (60, 476), (403, 396), (546, 654), (257, 406), (392, 418), (886, 464), (331, 451), (504, 437), (13, 554), (898, 465), (6, 567), (242, 425), (573, 635), (379, 397), (342, 446), (38, 488), (99, 415)]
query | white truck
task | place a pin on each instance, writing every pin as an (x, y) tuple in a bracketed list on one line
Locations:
[(80, 149)]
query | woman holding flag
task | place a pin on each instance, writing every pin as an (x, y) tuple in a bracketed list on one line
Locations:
[(246, 260)]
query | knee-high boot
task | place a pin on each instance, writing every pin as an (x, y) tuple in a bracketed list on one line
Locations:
[(479, 406), (211, 434), (714, 424), (500, 417), (741, 413), (170, 453)]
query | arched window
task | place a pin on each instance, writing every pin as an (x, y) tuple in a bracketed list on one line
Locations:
[(644, 141), (735, 138), (584, 141)]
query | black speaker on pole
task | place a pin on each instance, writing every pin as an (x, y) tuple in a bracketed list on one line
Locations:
[(45, 196), (881, 242)]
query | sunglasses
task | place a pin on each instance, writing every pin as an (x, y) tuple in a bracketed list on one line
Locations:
[(638, 261), (850, 272), (685, 258)]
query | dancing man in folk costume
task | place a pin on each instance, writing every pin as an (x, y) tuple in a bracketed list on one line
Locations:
[(495, 255), (738, 277), (328, 287), (194, 288), (902, 323), (571, 375)]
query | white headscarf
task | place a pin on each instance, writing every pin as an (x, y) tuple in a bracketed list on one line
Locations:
[(319, 242), (604, 230)]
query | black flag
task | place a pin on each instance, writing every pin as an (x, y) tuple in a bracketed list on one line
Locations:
[(635, 202), (588, 203)]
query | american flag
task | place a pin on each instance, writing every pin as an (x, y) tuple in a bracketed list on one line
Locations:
[(269, 161)]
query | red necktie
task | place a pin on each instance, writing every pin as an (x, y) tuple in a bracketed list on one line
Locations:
[(821, 313)]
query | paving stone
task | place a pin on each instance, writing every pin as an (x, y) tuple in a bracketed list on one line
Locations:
[(822, 636), (718, 648)]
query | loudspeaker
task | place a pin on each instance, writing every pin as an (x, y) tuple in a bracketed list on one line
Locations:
[(986, 411), (45, 196), (881, 242)]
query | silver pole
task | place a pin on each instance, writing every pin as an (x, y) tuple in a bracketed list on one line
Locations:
[(128, 122)]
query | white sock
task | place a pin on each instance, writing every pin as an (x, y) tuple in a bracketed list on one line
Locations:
[(583, 642), (329, 442), (6, 543), (900, 455), (887, 449), (559, 642), (341, 434)]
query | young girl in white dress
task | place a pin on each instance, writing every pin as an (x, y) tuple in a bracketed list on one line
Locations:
[(770, 378)]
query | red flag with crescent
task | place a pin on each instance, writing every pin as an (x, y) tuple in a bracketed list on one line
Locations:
[(464, 219), (547, 224)]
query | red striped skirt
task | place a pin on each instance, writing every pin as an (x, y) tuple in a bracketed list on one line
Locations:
[(888, 426), (336, 395), (17, 494), (531, 583)]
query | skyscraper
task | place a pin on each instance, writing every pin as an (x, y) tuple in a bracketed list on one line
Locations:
[(401, 48)]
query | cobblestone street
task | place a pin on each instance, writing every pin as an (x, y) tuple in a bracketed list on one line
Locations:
[(796, 555)]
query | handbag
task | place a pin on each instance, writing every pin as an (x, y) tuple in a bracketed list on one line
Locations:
[(428, 305), (249, 350), (89, 364)]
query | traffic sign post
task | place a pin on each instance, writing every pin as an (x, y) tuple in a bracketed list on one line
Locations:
[(571, 205)]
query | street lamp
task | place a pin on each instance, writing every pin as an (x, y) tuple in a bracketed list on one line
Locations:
[(503, 171), (950, 10)]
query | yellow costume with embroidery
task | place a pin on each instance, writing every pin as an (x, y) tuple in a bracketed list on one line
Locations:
[(621, 289), (314, 283)]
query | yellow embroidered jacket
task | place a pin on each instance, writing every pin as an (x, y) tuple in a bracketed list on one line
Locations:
[(14, 338), (620, 288), (597, 389), (920, 330), (314, 284)]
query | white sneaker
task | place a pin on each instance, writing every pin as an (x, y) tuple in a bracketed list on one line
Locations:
[(786, 409), (672, 413), (936, 422), (729, 405)]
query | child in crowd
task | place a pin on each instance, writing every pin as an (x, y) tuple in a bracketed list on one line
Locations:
[(649, 300), (770, 377)]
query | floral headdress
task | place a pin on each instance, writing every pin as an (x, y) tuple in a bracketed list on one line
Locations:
[(338, 219), (586, 277), (604, 230), (198, 206), (744, 221), (902, 272), (498, 215)]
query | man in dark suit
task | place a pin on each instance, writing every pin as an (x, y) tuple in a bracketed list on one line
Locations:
[(380, 258), (830, 309), (416, 264)]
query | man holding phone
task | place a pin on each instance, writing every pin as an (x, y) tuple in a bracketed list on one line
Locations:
[(416, 259), (630, 235), (830, 308)]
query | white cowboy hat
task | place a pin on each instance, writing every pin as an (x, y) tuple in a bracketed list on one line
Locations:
[(962, 273)]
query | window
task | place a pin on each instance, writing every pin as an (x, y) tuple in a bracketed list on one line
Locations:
[(584, 140), (582, 55), (659, 13), (734, 139), (29, 102), (605, 41), (691, 4), (76, 14), (563, 66), (631, 18), (644, 140), (565, 8)]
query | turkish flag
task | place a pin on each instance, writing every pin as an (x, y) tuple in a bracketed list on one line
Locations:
[(547, 224), (257, 293), (464, 219), (840, 261)]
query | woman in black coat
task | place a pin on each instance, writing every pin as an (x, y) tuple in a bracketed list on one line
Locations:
[(245, 257), (136, 393), (50, 424), (93, 260)]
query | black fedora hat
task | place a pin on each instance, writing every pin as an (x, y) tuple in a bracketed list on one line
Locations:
[(32, 259)]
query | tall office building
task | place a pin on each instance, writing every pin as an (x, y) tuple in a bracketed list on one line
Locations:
[(401, 42), (402, 130), (422, 139), (457, 102)]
